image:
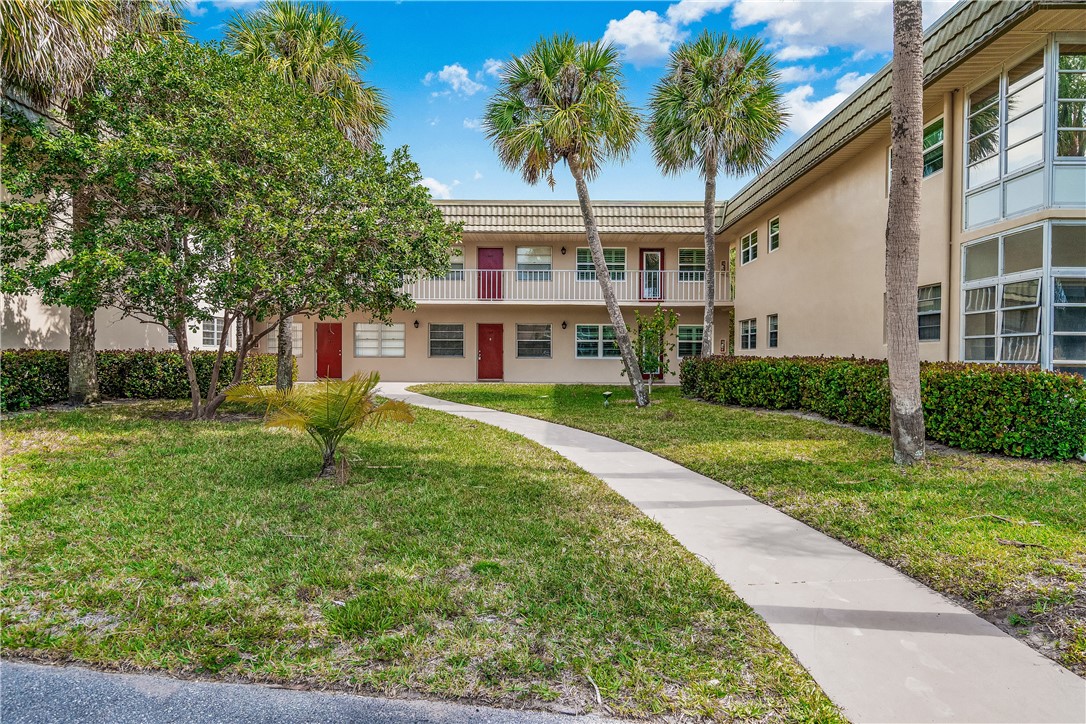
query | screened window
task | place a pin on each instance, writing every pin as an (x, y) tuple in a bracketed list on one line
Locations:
[(1071, 101), (774, 233), (691, 265), (596, 341), (771, 330), (614, 257), (295, 340), (1003, 323), (378, 340), (690, 336), (534, 263), (929, 310), (748, 248), (533, 341), (1069, 324), (748, 334), (212, 332), (446, 340)]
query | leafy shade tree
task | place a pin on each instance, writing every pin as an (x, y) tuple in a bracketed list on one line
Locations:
[(48, 51), (718, 108), (654, 341), (903, 233), (564, 101), (218, 186), (326, 411), (311, 46)]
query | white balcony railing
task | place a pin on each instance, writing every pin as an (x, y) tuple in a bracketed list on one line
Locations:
[(567, 287)]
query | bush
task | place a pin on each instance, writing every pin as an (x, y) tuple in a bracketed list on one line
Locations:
[(1015, 411), (33, 377)]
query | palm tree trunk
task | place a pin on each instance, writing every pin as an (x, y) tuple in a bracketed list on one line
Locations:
[(710, 257), (82, 359), (903, 234), (622, 334), (284, 363), (328, 463)]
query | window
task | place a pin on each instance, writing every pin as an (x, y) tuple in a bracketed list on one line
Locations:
[(212, 332), (534, 263), (774, 234), (170, 339), (596, 341), (456, 267), (748, 248), (748, 334), (933, 147), (690, 336), (446, 340), (929, 310), (534, 341), (1005, 128), (295, 340), (771, 330), (691, 265), (615, 258), (1071, 101), (378, 340), (1069, 298)]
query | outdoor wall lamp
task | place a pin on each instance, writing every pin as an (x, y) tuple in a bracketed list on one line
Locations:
[(564, 325), (416, 324), (563, 251)]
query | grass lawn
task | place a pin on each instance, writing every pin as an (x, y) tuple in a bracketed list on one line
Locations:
[(951, 522), (457, 561)]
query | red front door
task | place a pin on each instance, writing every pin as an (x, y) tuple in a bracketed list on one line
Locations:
[(490, 273), (330, 350), (491, 352)]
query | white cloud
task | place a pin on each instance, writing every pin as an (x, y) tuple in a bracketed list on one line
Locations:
[(437, 189), (492, 67), (477, 176), (806, 111), (434, 121), (456, 78), (473, 124), (194, 8), (234, 4), (803, 73), (685, 12), (645, 36), (800, 52)]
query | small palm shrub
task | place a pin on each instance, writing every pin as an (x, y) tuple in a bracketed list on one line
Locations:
[(327, 410)]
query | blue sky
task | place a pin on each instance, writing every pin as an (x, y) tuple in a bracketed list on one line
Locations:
[(437, 63)]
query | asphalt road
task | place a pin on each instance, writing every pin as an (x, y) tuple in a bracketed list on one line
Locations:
[(34, 694)]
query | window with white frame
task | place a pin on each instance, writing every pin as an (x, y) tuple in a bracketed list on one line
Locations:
[(533, 341), (933, 147), (748, 334), (690, 337), (692, 265), (596, 341), (1068, 262), (211, 332), (1071, 101), (771, 331), (295, 340), (446, 340), (456, 266), (170, 338), (534, 263), (929, 312), (614, 257), (748, 248), (774, 233), (378, 340)]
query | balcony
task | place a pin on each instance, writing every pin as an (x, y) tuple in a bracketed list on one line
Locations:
[(509, 286)]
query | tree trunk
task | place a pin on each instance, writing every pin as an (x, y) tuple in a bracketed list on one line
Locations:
[(284, 363), (710, 258), (622, 334), (328, 464), (82, 359), (903, 234)]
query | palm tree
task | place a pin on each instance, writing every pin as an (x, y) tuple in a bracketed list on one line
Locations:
[(311, 46), (563, 101), (326, 411), (49, 51), (718, 108), (903, 233)]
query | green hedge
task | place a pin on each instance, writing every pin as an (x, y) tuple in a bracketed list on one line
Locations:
[(32, 377), (986, 408)]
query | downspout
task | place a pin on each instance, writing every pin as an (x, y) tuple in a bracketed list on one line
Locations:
[(950, 161)]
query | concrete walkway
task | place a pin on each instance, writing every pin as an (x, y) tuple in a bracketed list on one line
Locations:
[(882, 646), (34, 694)]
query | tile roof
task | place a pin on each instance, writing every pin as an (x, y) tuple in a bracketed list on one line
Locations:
[(565, 216)]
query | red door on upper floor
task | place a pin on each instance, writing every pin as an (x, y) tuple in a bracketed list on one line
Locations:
[(491, 352), (490, 273), (330, 350)]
